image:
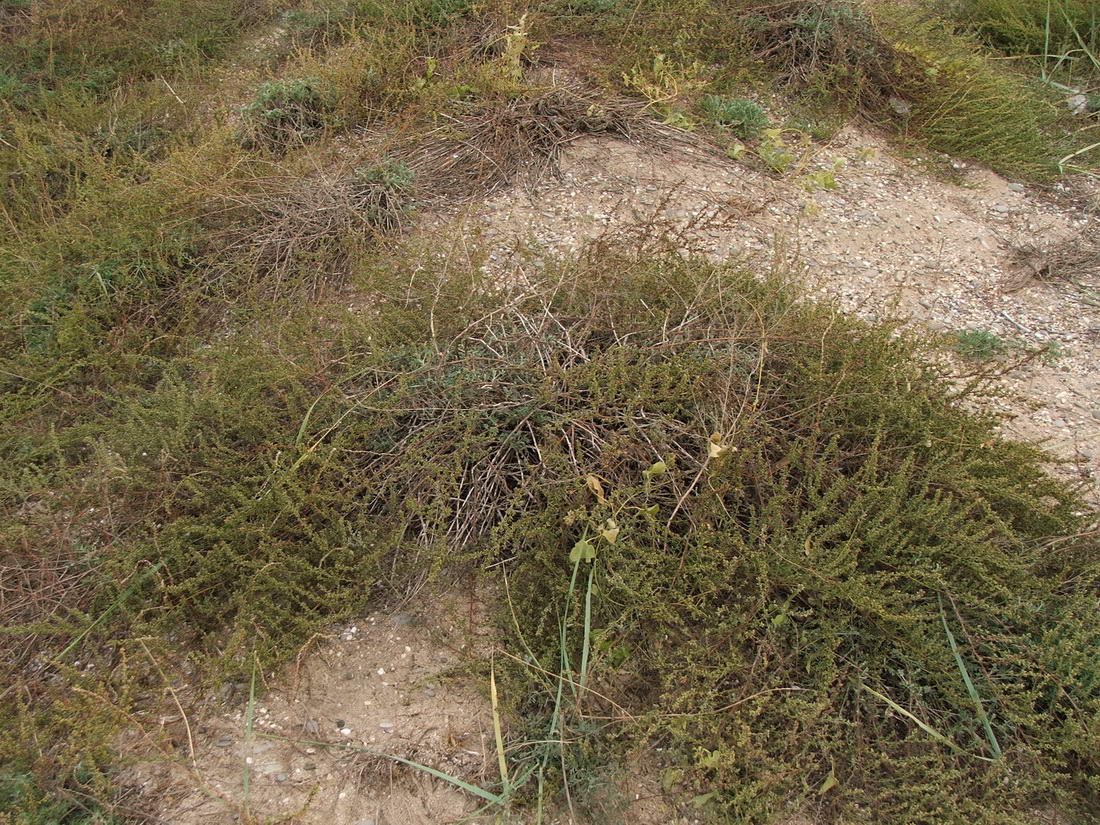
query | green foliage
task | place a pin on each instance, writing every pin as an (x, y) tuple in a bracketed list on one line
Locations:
[(877, 60), (285, 112), (99, 45), (743, 118), (785, 569), (196, 453), (1065, 30), (22, 802), (776, 153), (978, 344)]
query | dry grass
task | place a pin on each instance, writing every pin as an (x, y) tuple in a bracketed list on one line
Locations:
[(486, 145), (282, 224), (1073, 258)]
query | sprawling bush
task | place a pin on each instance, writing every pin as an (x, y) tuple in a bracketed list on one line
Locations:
[(823, 577)]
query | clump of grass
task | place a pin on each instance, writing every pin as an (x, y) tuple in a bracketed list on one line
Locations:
[(882, 61), (101, 45), (287, 232), (1063, 34), (500, 139), (743, 118), (284, 113)]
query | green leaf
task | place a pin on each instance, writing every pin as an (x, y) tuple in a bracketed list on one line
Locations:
[(703, 798), (659, 468), (670, 778), (829, 783), (582, 551)]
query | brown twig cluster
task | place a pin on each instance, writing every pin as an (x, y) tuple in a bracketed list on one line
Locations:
[(489, 144)]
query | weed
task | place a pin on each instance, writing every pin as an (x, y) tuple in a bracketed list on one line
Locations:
[(740, 476), (1063, 34), (775, 152), (728, 516), (664, 83), (743, 118), (822, 178), (956, 100), (20, 793), (979, 344)]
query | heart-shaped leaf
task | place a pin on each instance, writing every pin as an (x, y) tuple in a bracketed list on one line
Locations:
[(610, 531)]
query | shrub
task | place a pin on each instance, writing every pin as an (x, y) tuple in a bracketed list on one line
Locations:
[(955, 100), (285, 112), (19, 792), (801, 510), (1037, 28), (742, 117)]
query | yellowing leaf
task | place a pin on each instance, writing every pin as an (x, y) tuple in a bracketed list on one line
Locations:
[(596, 487), (610, 531), (659, 468), (829, 783), (715, 447)]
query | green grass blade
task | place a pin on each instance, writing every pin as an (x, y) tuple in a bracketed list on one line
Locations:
[(123, 596), (587, 626), (502, 762), (931, 731), (973, 691), (461, 784), (246, 779)]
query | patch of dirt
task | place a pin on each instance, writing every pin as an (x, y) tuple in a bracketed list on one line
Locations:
[(888, 241), (386, 684)]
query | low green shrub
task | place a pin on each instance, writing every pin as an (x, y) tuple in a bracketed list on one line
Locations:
[(20, 796), (743, 118), (285, 112), (905, 68), (978, 344), (800, 508)]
